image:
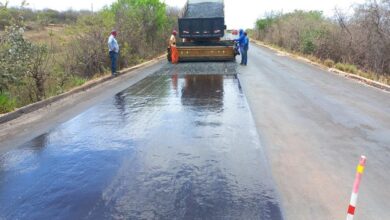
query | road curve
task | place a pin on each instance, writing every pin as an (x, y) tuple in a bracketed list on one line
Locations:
[(314, 126)]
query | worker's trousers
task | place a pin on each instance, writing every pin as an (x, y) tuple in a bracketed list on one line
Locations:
[(244, 55), (114, 59)]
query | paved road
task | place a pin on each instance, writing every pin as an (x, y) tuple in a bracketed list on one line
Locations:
[(170, 148), (314, 126), (173, 146)]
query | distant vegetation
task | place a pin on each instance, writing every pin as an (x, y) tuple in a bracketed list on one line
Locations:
[(347, 42), (38, 19), (44, 53)]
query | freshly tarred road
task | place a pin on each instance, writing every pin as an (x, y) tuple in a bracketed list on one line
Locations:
[(180, 144)]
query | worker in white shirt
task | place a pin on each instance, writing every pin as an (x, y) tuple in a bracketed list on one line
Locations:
[(171, 44), (173, 48), (113, 48), (172, 40)]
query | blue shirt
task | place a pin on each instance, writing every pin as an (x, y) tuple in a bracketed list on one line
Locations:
[(241, 38), (246, 42), (113, 44)]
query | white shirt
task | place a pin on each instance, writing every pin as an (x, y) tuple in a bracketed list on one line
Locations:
[(113, 44), (172, 40)]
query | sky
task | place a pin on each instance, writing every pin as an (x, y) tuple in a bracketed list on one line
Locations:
[(238, 13)]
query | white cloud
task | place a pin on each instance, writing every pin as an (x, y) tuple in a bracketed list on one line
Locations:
[(238, 13)]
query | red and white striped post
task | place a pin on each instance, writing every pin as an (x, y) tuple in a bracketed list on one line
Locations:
[(356, 184)]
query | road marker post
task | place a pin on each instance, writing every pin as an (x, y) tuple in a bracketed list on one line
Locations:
[(359, 173)]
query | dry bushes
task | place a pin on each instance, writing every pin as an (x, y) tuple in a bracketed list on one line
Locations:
[(32, 71), (361, 40)]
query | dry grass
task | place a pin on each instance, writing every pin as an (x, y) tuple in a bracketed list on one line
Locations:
[(349, 68), (313, 58), (56, 37), (43, 35), (329, 63)]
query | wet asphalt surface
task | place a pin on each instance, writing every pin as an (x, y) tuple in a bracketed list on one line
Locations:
[(180, 144)]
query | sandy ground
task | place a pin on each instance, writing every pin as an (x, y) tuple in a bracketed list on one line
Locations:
[(314, 126)]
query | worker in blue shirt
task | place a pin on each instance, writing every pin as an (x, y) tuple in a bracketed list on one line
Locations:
[(113, 48), (241, 42), (244, 53), (241, 38)]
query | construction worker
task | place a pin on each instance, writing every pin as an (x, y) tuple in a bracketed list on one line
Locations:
[(241, 43), (245, 48), (113, 48), (174, 54), (172, 40)]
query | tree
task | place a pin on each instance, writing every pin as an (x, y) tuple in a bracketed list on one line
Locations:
[(14, 56), (5, 15), (37, 69), (141, 23)]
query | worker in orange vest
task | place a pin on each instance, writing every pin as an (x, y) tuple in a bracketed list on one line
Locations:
[(174, 54)]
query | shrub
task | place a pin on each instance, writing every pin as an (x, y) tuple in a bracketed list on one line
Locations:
[(329, 63), (31, 71), (313, 58), (308, 46), (77, 81), (349, 68), (6, 104), (361, 38)]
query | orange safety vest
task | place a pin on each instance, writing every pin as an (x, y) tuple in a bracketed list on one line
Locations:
[(174, 54)]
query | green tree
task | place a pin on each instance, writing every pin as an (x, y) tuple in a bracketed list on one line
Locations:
[(14, 56), (5, 15), (23, 63), (141, 24)]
